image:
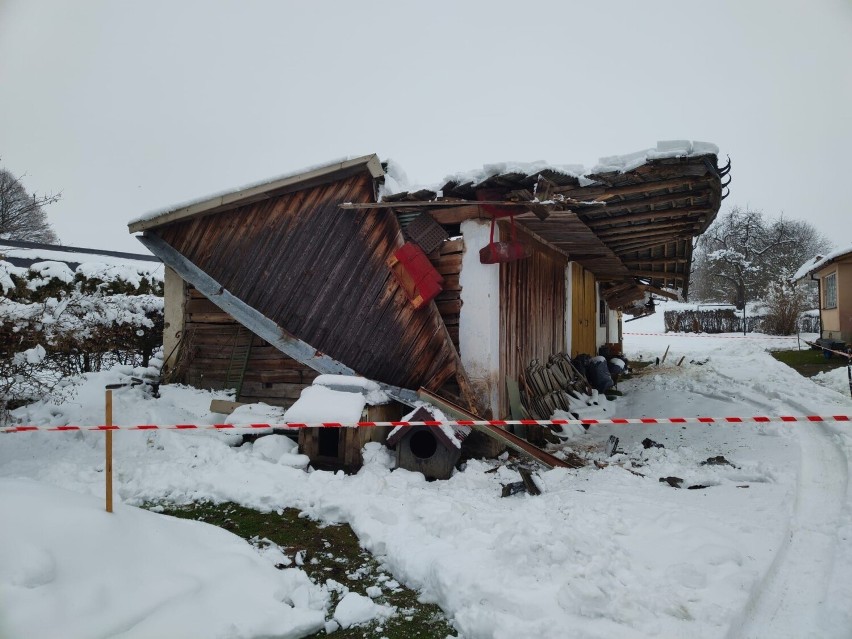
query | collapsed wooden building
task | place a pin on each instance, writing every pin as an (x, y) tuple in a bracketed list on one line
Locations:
[(270, 285)]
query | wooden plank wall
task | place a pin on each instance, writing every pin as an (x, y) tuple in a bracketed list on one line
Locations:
[(532, 314), (447, 260), (271, 376), (320, 272)]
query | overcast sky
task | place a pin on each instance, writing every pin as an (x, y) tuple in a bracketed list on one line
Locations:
[(125, 108)]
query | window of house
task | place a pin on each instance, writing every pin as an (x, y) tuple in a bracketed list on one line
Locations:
[(602, 313), (830, 288)]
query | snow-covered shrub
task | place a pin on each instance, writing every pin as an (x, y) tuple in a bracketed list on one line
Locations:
[(55, 323), (785, 303)]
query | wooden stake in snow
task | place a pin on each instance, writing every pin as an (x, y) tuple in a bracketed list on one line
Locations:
[(666, 354), (108, 448)]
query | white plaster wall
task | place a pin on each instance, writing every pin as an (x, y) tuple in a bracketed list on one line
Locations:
[(479, 321), (602, 331), (613, 327)]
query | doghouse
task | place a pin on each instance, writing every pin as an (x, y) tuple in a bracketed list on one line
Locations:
[(427, 449)]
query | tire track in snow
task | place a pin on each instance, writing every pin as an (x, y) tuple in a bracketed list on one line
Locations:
[(786, 603)]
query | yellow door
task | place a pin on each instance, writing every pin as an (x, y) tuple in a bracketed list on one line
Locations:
[(582, 311)]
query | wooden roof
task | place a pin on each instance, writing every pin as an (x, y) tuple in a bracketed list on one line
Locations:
[(232, 199), (312, 279), (632, 229)]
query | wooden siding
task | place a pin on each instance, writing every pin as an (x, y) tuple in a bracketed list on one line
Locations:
[(532, 314), (583, 312), (448, 260), (319, 272), (210, 336)]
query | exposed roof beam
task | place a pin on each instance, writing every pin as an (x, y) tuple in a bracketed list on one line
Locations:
[(656, 260), (684, 212), (646, 230), (620, 248), (597, 190), (648, 201)]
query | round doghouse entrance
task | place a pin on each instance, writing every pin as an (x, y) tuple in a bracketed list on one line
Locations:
[(423, 444)]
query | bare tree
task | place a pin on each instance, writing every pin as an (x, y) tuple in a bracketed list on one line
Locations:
[(743, 255), (22, 215)]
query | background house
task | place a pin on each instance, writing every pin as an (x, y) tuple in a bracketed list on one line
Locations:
[(833, 273), (270, 284)]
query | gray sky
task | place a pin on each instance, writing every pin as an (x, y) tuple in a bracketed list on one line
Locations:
[(128, 107)]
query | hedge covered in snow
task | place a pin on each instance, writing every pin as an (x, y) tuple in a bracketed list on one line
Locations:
[(56, 322)]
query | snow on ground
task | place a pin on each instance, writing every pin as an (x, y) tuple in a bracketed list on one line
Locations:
[(69, 569), (759, 548)]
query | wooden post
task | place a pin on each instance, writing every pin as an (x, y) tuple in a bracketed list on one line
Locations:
[(108, 448)]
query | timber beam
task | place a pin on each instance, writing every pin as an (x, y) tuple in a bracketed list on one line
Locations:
[(255, 321)]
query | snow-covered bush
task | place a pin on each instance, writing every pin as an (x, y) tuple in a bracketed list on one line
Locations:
[(785, 302), (55, 323)]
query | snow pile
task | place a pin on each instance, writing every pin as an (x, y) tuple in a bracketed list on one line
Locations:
[(68, 568), (355, 609), (837, 379)]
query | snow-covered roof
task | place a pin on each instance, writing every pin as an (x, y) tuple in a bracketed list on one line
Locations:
[(578, 173), (816, 263)]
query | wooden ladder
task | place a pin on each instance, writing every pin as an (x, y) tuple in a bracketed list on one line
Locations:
[(240, 352)]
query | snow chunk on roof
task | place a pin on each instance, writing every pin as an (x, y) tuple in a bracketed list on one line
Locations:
[(501, 168), (664, 149), (621, 163), (816, 263)]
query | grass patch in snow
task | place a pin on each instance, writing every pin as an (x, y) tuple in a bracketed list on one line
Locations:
[(328, 552), (808, 362)]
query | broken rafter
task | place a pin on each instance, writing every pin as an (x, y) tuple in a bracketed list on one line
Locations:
[(662, 275), (659, 291)]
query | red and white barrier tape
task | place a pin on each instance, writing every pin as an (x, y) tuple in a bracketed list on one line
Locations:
[(830, 350), (714, 336), (493, 422)]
